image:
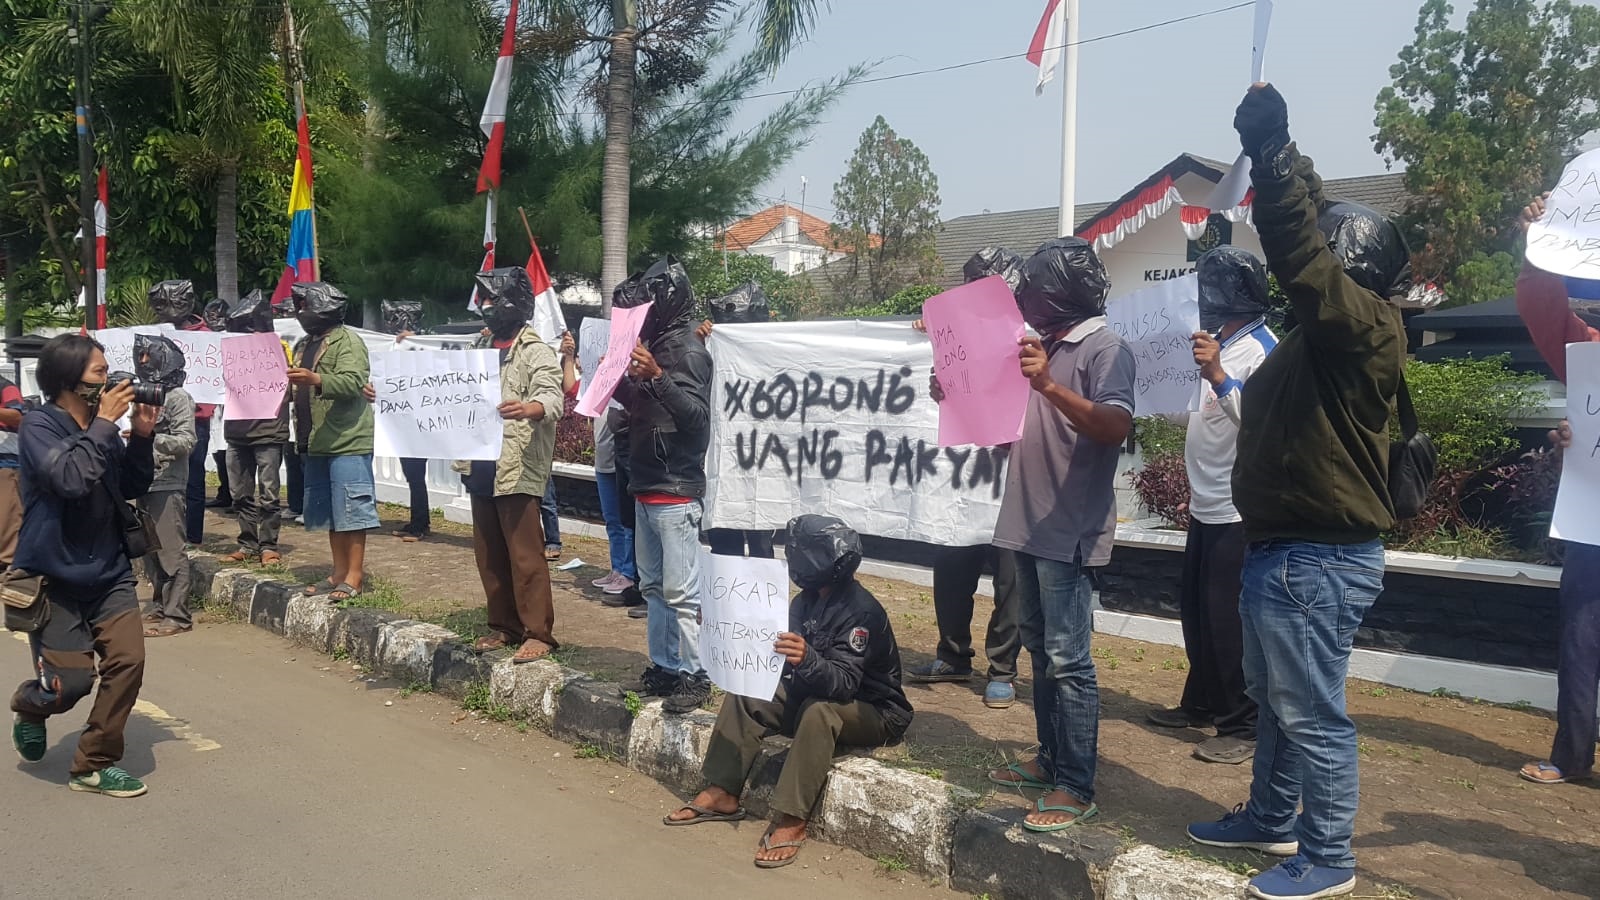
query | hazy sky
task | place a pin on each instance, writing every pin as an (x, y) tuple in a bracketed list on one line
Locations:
[(1145, 97)]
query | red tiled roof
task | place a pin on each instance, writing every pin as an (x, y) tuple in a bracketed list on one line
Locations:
[(742, 234)]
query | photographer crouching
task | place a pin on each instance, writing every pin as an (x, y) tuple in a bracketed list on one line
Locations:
[(77, 475)]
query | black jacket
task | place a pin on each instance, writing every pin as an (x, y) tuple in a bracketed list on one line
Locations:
[(670, 418), (851, 654), (70, 530)]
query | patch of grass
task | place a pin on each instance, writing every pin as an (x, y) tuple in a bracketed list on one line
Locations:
[(1410, 753), (341, 653), (1460, 782), (1445, 693), (1391, 892), (565, 655), (1175, 664), (587, 750), (1138, 654), (1363, 747), (479, 700), (1232, 865), (892, 865), (632, 703), (1377, 691), (278, 571), (1519, 705), (377, 593), (714, 701), (1107, 658), (416, 687), (468, 624)]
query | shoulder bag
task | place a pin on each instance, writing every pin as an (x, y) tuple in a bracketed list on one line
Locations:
[(24, 596), (1412, 461)]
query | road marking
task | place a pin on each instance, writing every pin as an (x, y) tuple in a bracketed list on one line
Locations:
[(179, 727)]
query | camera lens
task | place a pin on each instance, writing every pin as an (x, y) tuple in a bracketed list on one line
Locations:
[(149, 394)]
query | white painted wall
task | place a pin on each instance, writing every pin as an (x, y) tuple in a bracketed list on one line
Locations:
[(790, 249), (1160, 249)]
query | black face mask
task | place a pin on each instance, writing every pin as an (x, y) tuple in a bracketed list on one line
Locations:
[(1369, 247), (173, 301), (1062, 284), (1233, 285), (318, 307), (505, 300), (821, 551), (158, 361)]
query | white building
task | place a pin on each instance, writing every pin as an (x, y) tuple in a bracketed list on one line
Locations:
[(793, 239)]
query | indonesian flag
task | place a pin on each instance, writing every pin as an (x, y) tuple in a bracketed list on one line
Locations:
[(547, 318), (488, 250), (102, 203), (493, 122), (1049, 42)]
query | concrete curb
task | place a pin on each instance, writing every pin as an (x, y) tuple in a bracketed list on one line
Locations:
[(878, 810)]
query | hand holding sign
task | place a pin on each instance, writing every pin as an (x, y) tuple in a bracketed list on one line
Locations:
[(1564, 226), (744, 624), (625, 327), (1161, 325), (983, 397)]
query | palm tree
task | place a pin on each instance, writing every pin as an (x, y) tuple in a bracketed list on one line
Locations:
[(666, 33)]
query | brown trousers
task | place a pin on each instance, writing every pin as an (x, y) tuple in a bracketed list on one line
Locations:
[(82, 625), (509, 542), (10, 515)]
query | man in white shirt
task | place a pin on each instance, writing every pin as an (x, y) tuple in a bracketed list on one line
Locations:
[(1234, 341)]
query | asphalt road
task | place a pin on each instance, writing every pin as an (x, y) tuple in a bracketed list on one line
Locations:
[(277, 772)]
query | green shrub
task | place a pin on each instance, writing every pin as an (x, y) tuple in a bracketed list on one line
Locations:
[(908, 302), (1468, 406), (1157, 437)]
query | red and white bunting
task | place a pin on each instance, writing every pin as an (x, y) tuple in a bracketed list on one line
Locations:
[(1152, 203), (1195, 217), (493, 121), (102, 204)]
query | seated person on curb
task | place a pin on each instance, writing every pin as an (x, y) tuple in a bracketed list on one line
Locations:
[(841, 686)]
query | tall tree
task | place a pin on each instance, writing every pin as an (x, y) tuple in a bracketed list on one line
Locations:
[(887, 207), (1484, 117)]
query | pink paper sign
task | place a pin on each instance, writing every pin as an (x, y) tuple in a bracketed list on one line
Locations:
[(256, 375), (974, 329), (625, 327)]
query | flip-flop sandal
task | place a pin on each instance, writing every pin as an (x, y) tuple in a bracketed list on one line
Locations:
[(1540, 768), (237, 556), (1079, 816), (519, 659), (701, 814), (269, 558), (552, 555), (1026, 779), (766, 844), (325, 586), (489, 643), (167, 630), (152, 618), (344, 587)]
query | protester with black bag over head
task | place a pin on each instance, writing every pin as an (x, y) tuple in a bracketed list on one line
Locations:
[(77, 475)]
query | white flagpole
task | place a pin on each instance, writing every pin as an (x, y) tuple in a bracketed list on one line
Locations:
[(1069, 123)]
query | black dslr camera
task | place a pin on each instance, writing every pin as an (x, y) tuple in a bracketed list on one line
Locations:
[(143, 392)]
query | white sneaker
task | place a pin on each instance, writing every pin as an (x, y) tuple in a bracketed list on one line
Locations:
[(621, 584), (605, 580)]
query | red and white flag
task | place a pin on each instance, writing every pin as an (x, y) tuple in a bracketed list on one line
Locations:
[(1049, 42), (493, 121), (547, 318), (102, 204), (488, 250)]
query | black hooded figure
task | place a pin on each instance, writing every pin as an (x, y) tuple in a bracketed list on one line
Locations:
[(744, 304), (1233, 285), (159, 361), (1063, 284), (215, 314), (994, 260), (250, 314), (174, 301), (400, 316), (505, 300), (317, 306), (667, 394)]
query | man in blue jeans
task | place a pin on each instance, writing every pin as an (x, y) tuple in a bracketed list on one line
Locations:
[(1059, 515), (668, 398), (1311, 483)]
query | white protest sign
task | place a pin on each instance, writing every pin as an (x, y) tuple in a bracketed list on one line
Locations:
[(1566, 240), (1258, 47), (1579, 495), (835, 418), (202, 356), (438, 404), (1159, 324), (744, 606), (1233, 187), (593, 335)]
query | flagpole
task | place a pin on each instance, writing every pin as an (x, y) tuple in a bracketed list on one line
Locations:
[(298, 71), (1069, 124)]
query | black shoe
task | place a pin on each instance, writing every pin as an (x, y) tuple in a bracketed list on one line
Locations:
[(655, 682), (1178, 717), (628, 598), (638, 612), (692, 693), (220, 503)]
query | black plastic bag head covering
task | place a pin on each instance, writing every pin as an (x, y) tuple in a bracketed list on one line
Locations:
[(250, 314), (1063, 284), (173, 301), (821, 551), (215, 314), (157, 360), (318, 306), (402, 315), (665, 284), (746, 303), (1369, 247), (994, 261), (1233, 285), (505, 300)]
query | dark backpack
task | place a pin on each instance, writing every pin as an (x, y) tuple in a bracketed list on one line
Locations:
[(1412, 461)]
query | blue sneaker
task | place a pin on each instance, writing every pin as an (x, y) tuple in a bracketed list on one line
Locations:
[(1235, 831), (999, 695), (1298, 879)]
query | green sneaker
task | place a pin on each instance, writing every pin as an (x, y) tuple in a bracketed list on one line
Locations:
[(111, 781), (29, 739)]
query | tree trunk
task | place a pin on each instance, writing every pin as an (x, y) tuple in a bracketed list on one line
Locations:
[(617, 174), (378, 32), (228, 233)]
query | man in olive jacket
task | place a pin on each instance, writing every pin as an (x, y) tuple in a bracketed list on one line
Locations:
[(334, 427), (1311, 483)]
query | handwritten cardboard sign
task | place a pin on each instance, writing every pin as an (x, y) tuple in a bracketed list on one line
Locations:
[(1159, 324), (202, 356), (975, 329), (593, 337), (256, 374), (1566, 241), (438, 404), (625, 327), (1579, 494), (744, 606)]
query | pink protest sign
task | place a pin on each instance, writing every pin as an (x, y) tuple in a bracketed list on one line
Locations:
[(625, 327), (975, 329), (256, 375)]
